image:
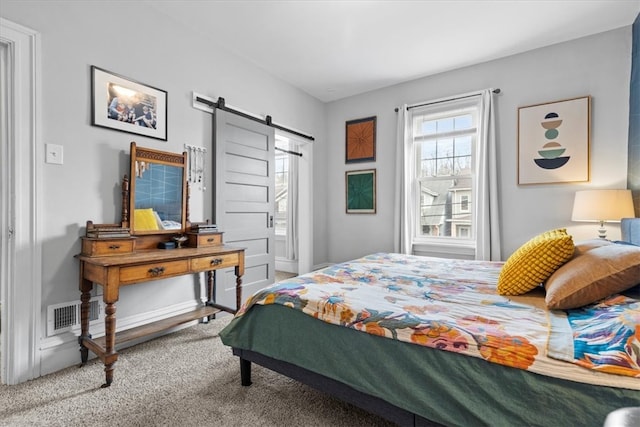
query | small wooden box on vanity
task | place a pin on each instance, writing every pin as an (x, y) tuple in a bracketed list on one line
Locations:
[(201, 240), (105, 247)]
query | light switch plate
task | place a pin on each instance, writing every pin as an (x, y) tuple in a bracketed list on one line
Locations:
[(54, 154)]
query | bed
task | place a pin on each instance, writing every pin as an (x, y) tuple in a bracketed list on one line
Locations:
[(429, 341)]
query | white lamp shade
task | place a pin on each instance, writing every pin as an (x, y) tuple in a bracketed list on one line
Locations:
[(602, 205)]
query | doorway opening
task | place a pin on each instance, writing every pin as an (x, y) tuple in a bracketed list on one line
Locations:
[(293, 221)]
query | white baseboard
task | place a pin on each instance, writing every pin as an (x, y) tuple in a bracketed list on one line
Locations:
[(323, 265), (290, 266), (62, 351)]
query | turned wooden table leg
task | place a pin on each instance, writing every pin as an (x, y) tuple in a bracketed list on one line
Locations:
[(239, 271), (238, 292), (85, 296), (111, 356), (211, 287), (211, 291)]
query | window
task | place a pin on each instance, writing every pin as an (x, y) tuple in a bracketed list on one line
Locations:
[(282, 183), (444, 138), (464, 203)]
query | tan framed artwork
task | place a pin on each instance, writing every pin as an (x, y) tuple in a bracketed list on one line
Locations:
[(553, 142), (360, 140), (361, 191)]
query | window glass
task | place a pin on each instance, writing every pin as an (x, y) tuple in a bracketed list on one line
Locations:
[(445, 144), (282, 182), (463, 122)]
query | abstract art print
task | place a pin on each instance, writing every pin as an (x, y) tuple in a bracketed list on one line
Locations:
[(553, 142), (360, 140), (361, 191), (123, 104)]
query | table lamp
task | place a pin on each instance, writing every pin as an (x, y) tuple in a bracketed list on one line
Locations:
[(602, 206)]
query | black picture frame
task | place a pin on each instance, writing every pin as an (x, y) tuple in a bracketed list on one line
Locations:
[(125, 105), (360, 140)]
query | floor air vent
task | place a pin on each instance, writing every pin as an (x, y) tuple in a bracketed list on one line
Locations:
[(65, 317)]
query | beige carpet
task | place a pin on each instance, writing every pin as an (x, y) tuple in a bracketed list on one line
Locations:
[(188, 378)]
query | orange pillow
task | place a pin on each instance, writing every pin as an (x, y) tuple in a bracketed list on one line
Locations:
[(593, 275)]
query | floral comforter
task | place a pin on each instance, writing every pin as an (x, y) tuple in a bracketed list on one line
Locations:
[(446, 304), (604, 337)]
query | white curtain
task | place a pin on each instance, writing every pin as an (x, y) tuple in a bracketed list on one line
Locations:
[(486, 195), (486, 206), (291, 243), (404, 215)]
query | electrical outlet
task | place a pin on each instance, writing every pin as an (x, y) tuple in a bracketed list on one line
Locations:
[(54, 154)]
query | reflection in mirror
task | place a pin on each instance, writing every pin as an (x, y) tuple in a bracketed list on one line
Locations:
[(158, 185), (158, 202)]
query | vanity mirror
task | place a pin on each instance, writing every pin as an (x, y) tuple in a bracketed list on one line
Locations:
[(158, 193)]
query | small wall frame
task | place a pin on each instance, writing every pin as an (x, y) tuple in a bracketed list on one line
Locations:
[(360, 191), (553, 142), (360, 140)]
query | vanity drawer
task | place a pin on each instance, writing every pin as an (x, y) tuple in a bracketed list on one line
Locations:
[(153, 271), (214, 261), (102, 247), (203, 240)]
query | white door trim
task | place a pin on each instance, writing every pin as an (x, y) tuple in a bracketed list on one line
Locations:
[(305, 203), (21, 276)]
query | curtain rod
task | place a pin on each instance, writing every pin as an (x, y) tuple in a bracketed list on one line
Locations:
[(267, 120), (445, 100), (288, 151)]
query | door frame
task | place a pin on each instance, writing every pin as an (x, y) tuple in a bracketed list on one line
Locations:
[(305, 202), (21, 275)]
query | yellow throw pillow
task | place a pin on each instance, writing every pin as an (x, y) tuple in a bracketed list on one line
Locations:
[(535, 261), (145, 220)]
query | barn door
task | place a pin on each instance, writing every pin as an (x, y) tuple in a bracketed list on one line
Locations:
[(244, 204)]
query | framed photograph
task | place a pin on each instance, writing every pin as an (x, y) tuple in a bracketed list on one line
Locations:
[(360, 140), (553, 142), (123, 104), (361, 191)]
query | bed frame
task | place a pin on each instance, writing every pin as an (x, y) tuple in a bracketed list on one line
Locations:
[(630, 231), (339, 390)]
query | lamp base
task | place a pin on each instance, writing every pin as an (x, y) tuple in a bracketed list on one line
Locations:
[(602, 232)]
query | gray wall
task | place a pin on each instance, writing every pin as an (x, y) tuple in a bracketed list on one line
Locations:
[(598, 66)]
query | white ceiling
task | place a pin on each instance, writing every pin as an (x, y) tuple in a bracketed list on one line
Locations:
[(335, 49)]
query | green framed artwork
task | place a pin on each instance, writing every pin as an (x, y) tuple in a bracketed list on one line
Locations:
[(361, 191)]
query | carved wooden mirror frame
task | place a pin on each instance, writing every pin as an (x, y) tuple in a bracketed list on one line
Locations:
[(169, 169)]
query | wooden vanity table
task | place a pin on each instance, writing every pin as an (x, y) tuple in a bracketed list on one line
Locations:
[(111, 258), (114, 271)]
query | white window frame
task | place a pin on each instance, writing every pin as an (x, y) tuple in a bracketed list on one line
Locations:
[(445, 245)]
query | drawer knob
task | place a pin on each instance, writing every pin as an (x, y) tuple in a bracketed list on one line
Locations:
[(216, 261), (114, 247), (210, 239), (156, 271)]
